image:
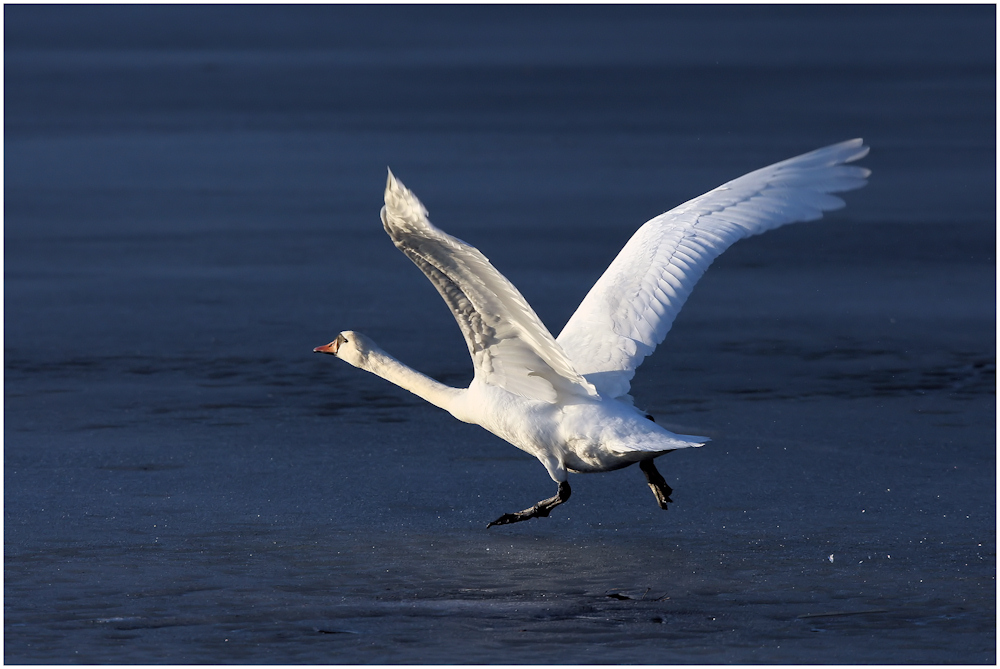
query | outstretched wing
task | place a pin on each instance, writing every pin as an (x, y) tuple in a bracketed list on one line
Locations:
[(510, 346), (632, 306)]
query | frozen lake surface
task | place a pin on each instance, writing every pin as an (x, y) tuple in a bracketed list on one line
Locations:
[(191, 205)]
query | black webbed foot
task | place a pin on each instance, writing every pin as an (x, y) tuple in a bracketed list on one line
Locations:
[(540, 510), (656, 483)]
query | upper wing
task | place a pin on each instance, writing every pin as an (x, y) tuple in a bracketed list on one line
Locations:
[(509, 345), (631, 307)]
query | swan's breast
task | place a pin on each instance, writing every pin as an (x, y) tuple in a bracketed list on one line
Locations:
[(527, 424)]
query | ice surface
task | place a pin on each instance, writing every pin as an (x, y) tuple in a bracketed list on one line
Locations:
[(191, 205)]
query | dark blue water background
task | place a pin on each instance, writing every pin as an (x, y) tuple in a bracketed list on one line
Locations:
[(191, 205)]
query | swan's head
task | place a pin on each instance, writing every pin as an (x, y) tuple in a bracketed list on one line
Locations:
[(351, 347)]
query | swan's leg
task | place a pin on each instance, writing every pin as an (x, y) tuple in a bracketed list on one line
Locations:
[(540, 510), (656, 483)]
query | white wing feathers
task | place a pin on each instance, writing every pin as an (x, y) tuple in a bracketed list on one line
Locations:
[(632, 306), (510, 346)]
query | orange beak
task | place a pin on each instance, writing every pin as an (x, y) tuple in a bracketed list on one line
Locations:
[(330, 348)]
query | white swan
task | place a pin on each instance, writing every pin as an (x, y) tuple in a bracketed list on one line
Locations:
[(566, 400)]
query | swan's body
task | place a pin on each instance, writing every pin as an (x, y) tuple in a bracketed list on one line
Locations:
[(566, 400)]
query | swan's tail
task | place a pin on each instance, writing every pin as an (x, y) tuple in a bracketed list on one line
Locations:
[(689, 440), (662, 442)]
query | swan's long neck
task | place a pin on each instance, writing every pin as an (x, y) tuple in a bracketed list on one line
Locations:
[(382, 364)]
